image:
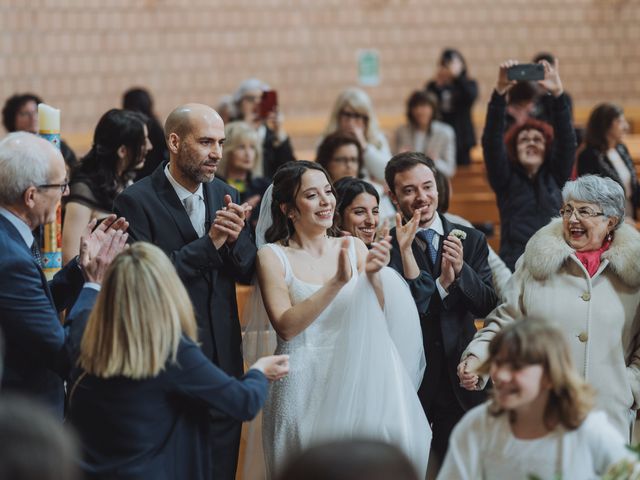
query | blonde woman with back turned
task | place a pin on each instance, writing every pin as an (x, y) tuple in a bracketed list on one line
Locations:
[(142, 397)]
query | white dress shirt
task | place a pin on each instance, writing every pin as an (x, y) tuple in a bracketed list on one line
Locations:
[(193, 203)]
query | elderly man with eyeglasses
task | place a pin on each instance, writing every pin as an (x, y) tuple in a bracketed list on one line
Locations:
[(580, 272), (38, 348)]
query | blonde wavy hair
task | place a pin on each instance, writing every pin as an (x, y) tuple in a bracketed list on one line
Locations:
[(235, 133), (532, 341), (140, 315), (360, 102)]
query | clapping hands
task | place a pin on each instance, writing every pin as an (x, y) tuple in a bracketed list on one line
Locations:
[(99, 246), (229, 222)]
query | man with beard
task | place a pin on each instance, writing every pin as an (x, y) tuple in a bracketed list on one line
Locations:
[(195, 218), (427, 244)]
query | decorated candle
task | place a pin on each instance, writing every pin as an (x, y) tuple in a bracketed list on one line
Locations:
[(49, 129)]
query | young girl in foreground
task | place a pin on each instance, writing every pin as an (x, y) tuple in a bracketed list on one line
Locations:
[(539, 423)]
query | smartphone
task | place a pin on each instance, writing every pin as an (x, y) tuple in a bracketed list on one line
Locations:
[(526, 72), (268, 103)]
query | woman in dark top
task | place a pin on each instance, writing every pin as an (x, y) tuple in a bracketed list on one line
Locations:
[(603, 152), (528, 167), (120, 144), (140, 401), (456, 93)]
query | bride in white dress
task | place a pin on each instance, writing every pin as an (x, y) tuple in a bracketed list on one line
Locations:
[(348, 324)]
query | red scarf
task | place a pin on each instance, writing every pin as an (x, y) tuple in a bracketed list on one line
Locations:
[(591, 259)]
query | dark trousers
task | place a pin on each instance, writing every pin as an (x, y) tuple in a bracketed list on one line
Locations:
[(443, 413), (224, 438)]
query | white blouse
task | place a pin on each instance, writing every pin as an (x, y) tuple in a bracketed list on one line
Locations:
[(482, 446)]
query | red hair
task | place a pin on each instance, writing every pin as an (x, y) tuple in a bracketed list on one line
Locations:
[(511, 137)]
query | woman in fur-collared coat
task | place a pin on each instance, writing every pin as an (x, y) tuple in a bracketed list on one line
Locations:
[(582, 273)]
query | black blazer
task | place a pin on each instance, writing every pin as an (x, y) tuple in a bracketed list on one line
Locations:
[(157, 428), (38, 349), (591, 160), (156, 215), (451, 321)]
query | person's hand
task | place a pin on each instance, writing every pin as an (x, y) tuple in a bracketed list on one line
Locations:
[(407, 232), (229, 222), (551, 82), (467, 372), (443, 76), (275, 123), (503, 85), (94, 264), (383, 231), (274, 367), (452, 251), (378, 256), (93, 238), (343, 275), (358, 132)]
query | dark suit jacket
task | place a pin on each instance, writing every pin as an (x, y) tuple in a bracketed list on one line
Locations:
[(156, 215), (157, 428), (38, 348), (448, 325)]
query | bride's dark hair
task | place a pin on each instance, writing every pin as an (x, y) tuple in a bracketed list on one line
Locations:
[(286, 184)]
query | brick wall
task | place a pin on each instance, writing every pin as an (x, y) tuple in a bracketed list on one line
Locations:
[(80, 55)]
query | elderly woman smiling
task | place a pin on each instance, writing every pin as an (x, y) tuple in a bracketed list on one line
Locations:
[(582, 273)]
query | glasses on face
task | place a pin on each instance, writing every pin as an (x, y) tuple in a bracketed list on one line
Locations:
[(533, 139), (62, 186), (252, 98), (582, 212), (354, 115)]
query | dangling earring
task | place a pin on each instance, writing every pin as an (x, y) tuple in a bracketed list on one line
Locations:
[(609, 237)]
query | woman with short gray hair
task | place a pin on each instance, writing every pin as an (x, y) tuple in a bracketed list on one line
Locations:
[(581, 272)]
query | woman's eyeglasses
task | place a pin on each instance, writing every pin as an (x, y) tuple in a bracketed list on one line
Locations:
[(583, 212), (354, 115)]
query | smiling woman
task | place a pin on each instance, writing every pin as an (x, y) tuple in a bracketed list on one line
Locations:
[(581, 273)]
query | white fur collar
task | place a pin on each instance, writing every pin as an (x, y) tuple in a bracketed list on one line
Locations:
[(546, 252)]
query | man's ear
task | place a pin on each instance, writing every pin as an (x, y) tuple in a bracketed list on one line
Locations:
[(29, 196), (173, 143), (394, 199)]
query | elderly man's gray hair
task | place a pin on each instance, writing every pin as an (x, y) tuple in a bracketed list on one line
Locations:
[(601, 191), (24, 161)]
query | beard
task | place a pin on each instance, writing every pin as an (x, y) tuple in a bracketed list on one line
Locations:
[(193, 170)]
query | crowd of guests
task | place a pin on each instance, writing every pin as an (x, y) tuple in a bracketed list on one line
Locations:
[(362, 322)]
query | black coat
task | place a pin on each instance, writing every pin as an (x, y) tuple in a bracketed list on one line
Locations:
[(448, 325), (156, 215), (463, 92), (157, 428), (591, 160), (526, 204)]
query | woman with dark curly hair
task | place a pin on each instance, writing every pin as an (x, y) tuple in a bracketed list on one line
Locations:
[(120, 144)]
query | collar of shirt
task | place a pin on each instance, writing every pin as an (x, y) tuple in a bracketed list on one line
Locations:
[(436, 225), (21, 226), (182, 192)]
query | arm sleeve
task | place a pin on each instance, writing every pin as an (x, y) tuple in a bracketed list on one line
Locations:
[(376, 158), (474, 286), (493, 148), (563, 152), (633, 368), (467, 90), (588, 162), (446, 162), (197, 378)]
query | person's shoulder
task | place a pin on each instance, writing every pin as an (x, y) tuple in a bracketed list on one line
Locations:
[(442, 128), (140, 188), (477, 419), (596, 422)]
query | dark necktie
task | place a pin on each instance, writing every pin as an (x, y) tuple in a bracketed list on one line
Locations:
[(427, 236), (35, 253)]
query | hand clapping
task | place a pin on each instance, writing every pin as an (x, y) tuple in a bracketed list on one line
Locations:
[(99, 246), (229, 222), (452, 260), (379, 255)]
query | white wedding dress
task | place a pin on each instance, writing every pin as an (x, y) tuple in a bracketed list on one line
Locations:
[(347, 378)]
